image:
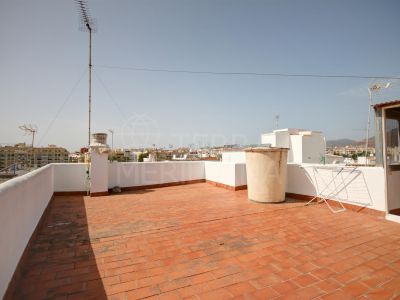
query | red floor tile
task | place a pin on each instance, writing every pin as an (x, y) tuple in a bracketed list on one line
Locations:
[(202, 242)]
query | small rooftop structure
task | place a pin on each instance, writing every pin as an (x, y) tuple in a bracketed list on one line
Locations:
[(99, 141), (305, 146)]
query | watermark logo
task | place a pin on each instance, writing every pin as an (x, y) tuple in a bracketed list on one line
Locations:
[(140, 131)]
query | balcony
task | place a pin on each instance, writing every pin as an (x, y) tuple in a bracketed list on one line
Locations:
[(186, 230)]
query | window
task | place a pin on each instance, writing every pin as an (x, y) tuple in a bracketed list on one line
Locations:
[(392, 125)]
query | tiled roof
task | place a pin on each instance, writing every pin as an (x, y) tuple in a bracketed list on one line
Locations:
[(201, 242)]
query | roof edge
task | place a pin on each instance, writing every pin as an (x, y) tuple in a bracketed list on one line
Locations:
[(385, 104)]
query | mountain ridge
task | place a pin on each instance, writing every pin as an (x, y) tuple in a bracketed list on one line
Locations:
[(349, 142)]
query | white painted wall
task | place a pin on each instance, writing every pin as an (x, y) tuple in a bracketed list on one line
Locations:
[(307, 148), (22, 202), (313, 148), (113, 174), (234, 156), (295, 153), (240, 174), (277, 138), (304, 146), (268, 138), (364, 187), (149, 173), (282, 138), (99, 172), (393, 189), (70, 177), (221, 172), (228, 173)]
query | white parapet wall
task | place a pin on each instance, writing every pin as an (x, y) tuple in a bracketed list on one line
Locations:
[(22, 203), (393, 190), (220, 172), (99, 173), (133, 174), (70, 177), (234, 157), (361, 186), (226, 173), (240, 174)]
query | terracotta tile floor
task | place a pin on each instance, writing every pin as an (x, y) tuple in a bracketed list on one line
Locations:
[(202, 242)]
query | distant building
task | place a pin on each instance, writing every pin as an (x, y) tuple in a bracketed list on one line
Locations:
[(76, 157), (179, 157), (335, 159), (84, 150), (366, 160), (123, 155), (305, 146), (27, 157), (350, 150)]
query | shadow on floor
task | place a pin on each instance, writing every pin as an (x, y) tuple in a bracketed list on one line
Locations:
[(138, 192), (131, 192), (61, 262)]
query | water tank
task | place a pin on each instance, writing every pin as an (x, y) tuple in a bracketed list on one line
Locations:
[(266, 169), (99, 138)]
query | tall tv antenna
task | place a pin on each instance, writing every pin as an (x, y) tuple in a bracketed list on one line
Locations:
[(87, 25), (112, 138), (372, 89), (277, 122), (29, 130)]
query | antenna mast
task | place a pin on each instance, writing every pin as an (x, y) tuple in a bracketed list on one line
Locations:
[(87, 25), (112, 138), (277, 122), (30, 130)]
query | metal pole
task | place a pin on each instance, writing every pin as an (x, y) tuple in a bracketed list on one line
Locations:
[(33, 137), (90, 79), (90, 103), (87, 23), (368, 125), (33, 149)]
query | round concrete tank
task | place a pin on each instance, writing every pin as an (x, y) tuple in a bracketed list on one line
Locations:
[(99, 138), (266, 170)]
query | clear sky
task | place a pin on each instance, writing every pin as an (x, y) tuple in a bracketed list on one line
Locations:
[(43, 55)]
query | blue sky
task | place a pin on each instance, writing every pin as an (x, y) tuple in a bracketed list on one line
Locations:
[(43, 55)]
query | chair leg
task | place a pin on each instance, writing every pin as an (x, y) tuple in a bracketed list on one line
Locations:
[(309, 202)]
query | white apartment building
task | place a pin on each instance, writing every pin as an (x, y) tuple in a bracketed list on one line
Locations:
[(25, 156)]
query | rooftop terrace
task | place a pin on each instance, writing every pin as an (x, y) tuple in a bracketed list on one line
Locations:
[(199, 241)]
